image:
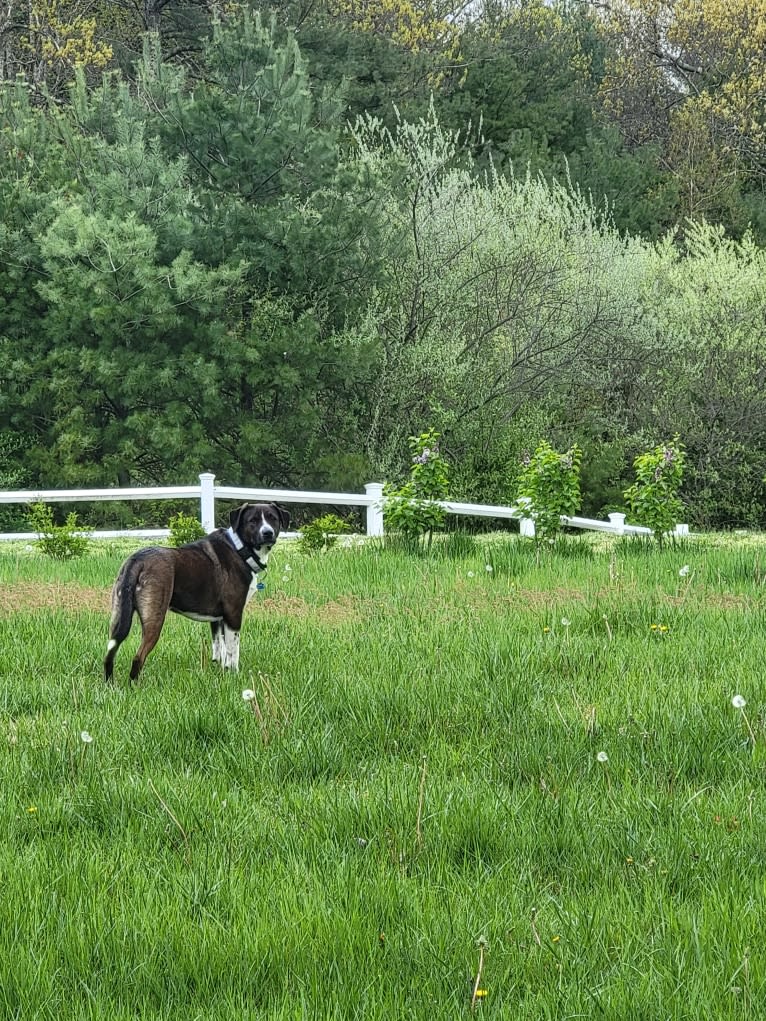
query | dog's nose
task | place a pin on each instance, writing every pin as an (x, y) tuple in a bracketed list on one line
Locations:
[(267, 534)]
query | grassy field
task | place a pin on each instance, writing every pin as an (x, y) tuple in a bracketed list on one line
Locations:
[(477, 760)]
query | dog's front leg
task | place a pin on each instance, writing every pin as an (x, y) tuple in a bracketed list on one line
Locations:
[(219, 647), (230, 652)]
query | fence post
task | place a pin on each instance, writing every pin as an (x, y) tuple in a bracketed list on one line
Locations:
[(527, 527), (526, 524), (207, 501), (618, 520), (374, 491)]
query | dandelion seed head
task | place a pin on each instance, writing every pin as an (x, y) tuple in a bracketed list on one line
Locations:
[(248, 695), (488, 568), (684, 571), (470, 574), (85, 737), (602, 757), (738, 702), (565, 622)]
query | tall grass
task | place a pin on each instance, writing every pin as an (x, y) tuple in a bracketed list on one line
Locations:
[(418, 771)]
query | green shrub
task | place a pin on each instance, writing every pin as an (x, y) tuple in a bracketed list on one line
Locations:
[(550, 481), (60, 542), (322, 533), (653, 498), (410, 510), (184, 528)]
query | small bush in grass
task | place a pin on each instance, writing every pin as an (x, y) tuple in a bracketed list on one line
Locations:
[(60, 542), (322, 533), (550, 481), (184, 528), (410, 510), (653, 498)]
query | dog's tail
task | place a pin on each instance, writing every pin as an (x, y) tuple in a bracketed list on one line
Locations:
[(123, 605)]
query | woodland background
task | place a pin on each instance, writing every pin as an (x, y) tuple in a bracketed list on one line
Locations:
[(275, 240)]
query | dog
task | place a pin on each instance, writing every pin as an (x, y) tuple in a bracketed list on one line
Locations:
[(211, 579)]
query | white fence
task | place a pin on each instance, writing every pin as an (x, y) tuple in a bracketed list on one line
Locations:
[(207, 492)]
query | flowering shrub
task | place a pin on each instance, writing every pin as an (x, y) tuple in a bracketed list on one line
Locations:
[(410, 510), (653, 498), (550, 481)]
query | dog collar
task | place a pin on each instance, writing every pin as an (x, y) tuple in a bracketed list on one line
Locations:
[(247, 553)]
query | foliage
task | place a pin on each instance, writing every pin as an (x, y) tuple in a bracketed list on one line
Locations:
[(410, 510), (489, 451), (415, 26), (653, 498), (47, 40), (538, 54), (686, 75), (472, 332), (12, 476), (206, 259), (701, 370), (135, 339), (550, 481), (59, 542), (321, 534), (184, 528)]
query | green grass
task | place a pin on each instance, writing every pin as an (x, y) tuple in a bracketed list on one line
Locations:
[(419, 771)]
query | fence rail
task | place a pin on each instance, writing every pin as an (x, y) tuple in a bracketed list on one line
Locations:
[(207, 492)]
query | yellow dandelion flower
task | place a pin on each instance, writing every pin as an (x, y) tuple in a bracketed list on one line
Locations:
[(555, 939), (480, 994), (32, 809)]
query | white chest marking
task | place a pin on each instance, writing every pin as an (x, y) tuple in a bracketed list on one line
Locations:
[(263, 555), (254, 583)]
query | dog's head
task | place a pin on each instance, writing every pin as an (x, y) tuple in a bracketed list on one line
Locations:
[(259, 524)]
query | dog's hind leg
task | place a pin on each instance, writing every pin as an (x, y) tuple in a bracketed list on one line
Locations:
[(150, 633), (152, 602)]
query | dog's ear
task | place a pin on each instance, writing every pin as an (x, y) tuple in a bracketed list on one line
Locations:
[(284, 517), (235, 518)]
